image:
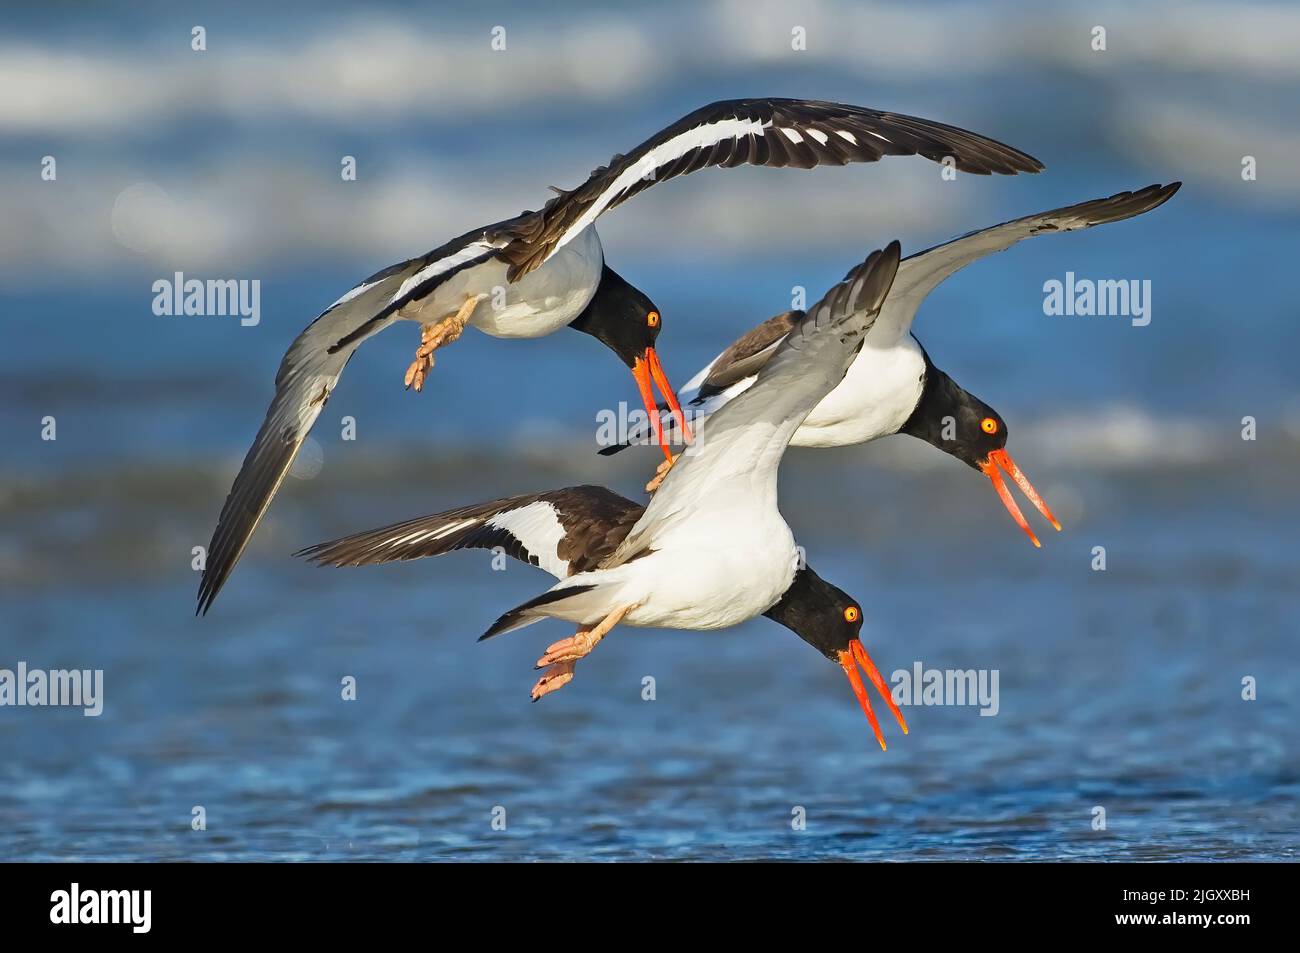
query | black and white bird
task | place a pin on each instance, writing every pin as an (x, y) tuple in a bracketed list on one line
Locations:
[(709, 551), (531, 275), (893, 386)]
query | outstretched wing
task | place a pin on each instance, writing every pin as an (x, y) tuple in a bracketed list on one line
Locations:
[(772, 132), (742, 446), (561, 531), (307, 375), (733, 371), (921, 273)]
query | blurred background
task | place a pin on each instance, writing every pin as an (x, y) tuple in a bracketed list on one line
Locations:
[(1119, 689)]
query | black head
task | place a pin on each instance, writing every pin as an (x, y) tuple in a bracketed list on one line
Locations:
[(621, 317), (823, 615), (957, 422), (829, 620)]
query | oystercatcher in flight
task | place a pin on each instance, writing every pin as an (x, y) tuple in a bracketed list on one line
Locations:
[(893, 386), (533, 274), (709, 551)]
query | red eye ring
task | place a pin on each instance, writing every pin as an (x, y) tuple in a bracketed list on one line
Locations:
[(989, 425), (851, 614)]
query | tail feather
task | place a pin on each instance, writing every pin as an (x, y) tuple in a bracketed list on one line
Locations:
[(526, 614)]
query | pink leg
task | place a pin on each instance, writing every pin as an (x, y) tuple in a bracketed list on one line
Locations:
[(561, 657)]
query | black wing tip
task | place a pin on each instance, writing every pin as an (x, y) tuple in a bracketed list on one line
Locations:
[(973, 153), (343, 553), (1153, 196), (882, 258), (209, 586), (612, 449), (1166, 192), (317, 553), (324, 556), (1016, 163), (217, 572), (1125, 205), (879, 272)]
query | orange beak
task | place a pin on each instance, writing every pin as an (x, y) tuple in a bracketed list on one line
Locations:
[(1000, 458), (647, 369), (856, 653)]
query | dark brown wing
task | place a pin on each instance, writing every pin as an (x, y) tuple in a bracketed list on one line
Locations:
[(747, 354), (795, 133), (563, 531)]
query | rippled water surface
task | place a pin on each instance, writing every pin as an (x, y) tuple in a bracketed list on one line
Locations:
[(1118, 690)]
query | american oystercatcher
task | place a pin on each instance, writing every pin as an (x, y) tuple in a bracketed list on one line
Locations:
[(531, 275), (709, 551), (893, 386)]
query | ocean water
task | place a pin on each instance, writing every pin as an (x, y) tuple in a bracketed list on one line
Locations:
[(1119, 690)]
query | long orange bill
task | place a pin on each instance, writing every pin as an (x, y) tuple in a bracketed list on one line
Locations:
[(641, 371), (856, 653), (873, 673), (1000, 458), (661, 381)]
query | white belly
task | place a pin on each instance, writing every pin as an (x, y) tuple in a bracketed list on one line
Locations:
[(876, 397), (540, 303), (727, 574)]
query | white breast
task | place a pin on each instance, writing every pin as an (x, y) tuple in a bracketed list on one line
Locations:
[(876, 397), (717, 572), (540, 303), (544, 300), (729, 566)]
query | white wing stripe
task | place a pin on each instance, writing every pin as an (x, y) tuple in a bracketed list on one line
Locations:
[(419, 535), (359, 289), (433, 269), (658, 157), (538, 527), (453, 527)]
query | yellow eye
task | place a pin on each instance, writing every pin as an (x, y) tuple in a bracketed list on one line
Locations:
[(851, 614), (652, 319), (989, 425)]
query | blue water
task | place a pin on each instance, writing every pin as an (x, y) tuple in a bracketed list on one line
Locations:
[(1119, 689)]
